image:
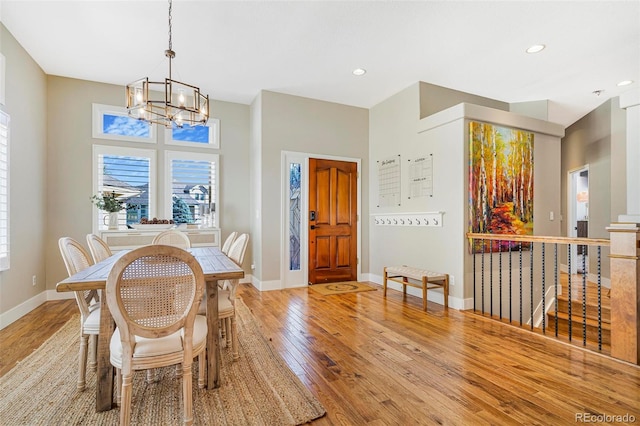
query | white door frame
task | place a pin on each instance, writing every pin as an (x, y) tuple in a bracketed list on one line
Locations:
[(291, 279), (572, 210)]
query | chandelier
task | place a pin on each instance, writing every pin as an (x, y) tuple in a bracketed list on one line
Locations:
[(167, 102)]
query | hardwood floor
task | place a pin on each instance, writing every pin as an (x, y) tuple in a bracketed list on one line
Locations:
[(380, 361)]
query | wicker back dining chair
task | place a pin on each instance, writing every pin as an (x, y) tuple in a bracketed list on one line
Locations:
[(227, 296), (76, 259), (98, 248), (227, 243), (153, 293), (172, 237)]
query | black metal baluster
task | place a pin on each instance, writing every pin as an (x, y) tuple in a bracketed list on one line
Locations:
[(500, 268), (599, 302), (482, 279), (569, 288), (584, 298), (510, 286), (520, 250), (491, 278), (544, 331), (473, 253), (556, 275), (531, 285)]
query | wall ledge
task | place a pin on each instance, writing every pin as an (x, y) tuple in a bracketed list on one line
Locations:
[(489, 115)]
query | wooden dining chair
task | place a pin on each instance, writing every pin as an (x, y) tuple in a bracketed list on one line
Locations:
[(76, 259), (227, 296), (173, 237), (153, 293), (98, 248), (227, 243)]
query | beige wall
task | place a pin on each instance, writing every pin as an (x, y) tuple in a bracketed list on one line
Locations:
[(70, 163), (597, 140), (25, 92), (437, 98), (396, 129), (292, 123)]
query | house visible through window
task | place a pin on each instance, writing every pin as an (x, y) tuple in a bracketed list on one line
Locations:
[(192, 179), (126, 173), (188, 188), (4, 191)]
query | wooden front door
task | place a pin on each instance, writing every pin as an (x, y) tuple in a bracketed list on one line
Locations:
[(333, 206)]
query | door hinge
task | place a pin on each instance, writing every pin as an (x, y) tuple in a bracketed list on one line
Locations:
[(357, 218)]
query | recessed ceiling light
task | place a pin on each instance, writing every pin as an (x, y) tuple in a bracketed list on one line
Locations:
[(359, 71), (536, 48), (625, 83)]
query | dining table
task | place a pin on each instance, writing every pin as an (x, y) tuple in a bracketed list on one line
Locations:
[(216, 266)]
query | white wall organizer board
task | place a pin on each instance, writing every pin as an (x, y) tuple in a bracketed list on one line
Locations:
[(408, 219)]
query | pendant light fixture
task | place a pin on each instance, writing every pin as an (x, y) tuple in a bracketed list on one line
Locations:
[(167, 102)]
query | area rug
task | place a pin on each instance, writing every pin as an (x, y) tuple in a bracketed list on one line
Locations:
[(340, 288), (257, 389)]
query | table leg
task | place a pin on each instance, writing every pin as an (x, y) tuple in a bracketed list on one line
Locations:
[(104, 379), (213, 340)]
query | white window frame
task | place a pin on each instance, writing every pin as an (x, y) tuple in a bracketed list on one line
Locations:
[(98, 113), (214, 137), (4, 197), (168, 183), (129, 152)]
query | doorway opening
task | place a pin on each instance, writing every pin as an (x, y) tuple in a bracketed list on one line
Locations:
[(578, 205)]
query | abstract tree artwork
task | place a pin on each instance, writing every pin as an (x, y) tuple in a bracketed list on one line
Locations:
[(500, 184)]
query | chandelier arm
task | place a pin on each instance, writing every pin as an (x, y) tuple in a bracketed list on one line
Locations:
[(178, 106)]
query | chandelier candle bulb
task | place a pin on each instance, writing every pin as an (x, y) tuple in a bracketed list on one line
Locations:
[(162, 102)]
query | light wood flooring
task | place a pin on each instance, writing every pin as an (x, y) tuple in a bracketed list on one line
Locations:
[(375, 361)]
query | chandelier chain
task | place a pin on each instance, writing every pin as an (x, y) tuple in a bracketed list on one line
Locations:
[(170, 41)]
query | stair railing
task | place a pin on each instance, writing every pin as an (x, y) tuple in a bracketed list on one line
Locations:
[(530, 277)]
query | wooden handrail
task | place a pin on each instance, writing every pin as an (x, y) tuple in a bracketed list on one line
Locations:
[(540, 239)]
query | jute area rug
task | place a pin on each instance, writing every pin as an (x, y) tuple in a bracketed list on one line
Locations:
[(340, 288), (257, 389)]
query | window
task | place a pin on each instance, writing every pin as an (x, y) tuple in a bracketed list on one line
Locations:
[(191, 184), (4, 191), (129, 173), (111, 122), (197, 136), (294, 216)]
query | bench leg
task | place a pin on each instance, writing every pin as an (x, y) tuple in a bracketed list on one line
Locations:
[(384, 283), (404, 286), (425, 281), (446, 291)]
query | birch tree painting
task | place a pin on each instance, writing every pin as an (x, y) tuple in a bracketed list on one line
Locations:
[(500, 183)]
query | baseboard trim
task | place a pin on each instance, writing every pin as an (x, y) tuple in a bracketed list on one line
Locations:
[(15, 313)]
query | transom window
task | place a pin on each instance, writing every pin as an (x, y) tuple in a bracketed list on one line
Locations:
[(185, 189)]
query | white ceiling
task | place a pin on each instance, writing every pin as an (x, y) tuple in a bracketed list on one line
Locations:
[(234, 49)]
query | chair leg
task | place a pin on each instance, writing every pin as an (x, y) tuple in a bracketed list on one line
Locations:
[(82, 362), (151, 375), (202, 369), (118, 387), (229, 325), (234, 337), (186, 393), (93, 363), (125, 406)]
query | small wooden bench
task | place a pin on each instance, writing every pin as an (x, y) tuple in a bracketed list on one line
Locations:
[(427, 279)]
